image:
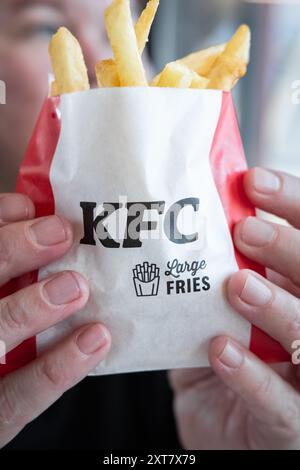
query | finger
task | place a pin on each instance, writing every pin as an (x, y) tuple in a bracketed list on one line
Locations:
[(15, 208), (269, 399), (26, 393), (36, 308), (266, 306), (275, 192), (274, 246), (27, 246), (183, 379), (283, 282)]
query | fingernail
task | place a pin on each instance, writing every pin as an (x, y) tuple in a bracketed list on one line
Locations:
[(256, 292), (49, 231), (266, 182), (255, 232), (13, 208), (92, 339), (63, 289), (230, 355)]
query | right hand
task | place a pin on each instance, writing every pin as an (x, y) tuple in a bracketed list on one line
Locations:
[(27, 244)]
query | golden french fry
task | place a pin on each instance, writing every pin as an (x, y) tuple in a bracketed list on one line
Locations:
[(176, 75), (239, 44), (199, 82), (232, 64), (106, 71), (107, 75), (68, 64), (54, 89), (144, 23), (202, 61), (154, 82), (123, 41)]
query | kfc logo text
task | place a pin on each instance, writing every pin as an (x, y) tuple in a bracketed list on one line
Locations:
[(127, 224)]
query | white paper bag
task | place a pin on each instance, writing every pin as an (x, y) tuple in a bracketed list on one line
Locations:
[(157, 259)]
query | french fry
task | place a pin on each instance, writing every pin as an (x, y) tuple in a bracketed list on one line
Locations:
[(154, 82), (123, 41), (176, 75), (106, 71), (107, 75), (54, 89), (198, 81), (200, 62), (218, 67), (144, 23), (68, 64), (232, 64)]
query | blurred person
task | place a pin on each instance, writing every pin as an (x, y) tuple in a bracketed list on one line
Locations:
[(240, 403), (26, 28)]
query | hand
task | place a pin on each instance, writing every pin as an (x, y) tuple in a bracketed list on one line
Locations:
[(25, 245), (243, 403)]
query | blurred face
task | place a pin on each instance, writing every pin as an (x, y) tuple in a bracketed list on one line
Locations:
[(26, 26)]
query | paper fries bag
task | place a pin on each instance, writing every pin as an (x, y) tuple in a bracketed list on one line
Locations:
[(152, 181)]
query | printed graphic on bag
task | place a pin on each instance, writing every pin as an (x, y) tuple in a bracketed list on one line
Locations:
[(146, 279), (152, 181)]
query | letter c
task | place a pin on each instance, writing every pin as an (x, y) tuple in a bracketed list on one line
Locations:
[(170, 224)]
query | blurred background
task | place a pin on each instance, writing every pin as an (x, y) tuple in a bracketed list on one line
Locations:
[(268, 99)]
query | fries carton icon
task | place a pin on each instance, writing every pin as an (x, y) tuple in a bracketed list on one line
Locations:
[(146, 279)]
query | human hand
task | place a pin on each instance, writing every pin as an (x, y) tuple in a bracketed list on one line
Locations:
[(243, 403), (27, 244)]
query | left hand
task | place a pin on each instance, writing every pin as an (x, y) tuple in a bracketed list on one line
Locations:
[(243, 403)]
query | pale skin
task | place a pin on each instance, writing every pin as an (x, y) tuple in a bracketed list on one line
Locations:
[(240, 403), (243, 403)]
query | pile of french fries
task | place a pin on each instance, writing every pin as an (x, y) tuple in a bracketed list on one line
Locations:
[(219, 67)]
